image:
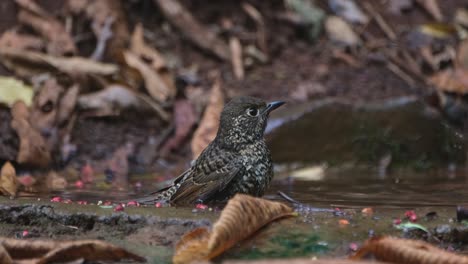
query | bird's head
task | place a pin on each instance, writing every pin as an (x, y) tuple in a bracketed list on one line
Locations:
[(243, 120)]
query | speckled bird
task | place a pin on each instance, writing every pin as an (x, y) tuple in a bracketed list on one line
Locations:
[(236, 161)]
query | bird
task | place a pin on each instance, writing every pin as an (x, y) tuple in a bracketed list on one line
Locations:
[(236, 161)]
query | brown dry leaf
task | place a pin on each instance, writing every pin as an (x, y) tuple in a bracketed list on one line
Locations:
[(236, 57), (59, 42), (67, 103), (451, 80), (397, 250), (432, 7), (462, 55), (184, 119), (181, 18), (8, 180), (154, 83), (242, 217), (12, 39), (29, 63), (209, 123), (153, 57), (47, 251), (33, 149)]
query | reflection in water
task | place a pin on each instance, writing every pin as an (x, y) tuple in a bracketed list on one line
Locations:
[(357, 188)]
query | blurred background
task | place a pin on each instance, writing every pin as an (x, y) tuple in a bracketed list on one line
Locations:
[(120, 96)]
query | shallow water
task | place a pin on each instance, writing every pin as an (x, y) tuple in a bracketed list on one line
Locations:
[(362, 188)]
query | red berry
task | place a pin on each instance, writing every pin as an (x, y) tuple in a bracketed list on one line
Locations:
[(119, 208)]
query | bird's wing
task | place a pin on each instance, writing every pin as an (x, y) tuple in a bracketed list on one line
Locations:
[(202, 185)]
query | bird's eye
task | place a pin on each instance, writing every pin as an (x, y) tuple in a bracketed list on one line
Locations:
[(252, 111)]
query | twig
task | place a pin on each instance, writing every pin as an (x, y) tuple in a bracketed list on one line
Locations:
[(398, 72), (380, 21), (261, 31), (104, 36), (236, 57), (287, 198)]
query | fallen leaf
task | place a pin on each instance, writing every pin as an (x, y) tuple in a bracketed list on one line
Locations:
[(33, 149), (209, 123), (242, 217), (47, 251), (397, 250), (184, 121), (59, 42), (44, 110), (13, 39), (154, 83), (451, 80), (153, 57), (340, 32), (348, 10), (8, 180), (29, 63), (67, 104), (432, 7), (410, 225), (12, 90), (183, 20)]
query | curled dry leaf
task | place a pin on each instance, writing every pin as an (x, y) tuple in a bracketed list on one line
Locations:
[(59, 42), (209, 123), (33, 149), (47, 251), (181, 18), (397, 250), (8, 180), (29, 63), (154, 83), (242, 216)]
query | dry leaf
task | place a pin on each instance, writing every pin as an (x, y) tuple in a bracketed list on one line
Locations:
[(59, 42), (397, 250), (432, 7), (12, 39), (12, 90), (67, 104), (181, 18), (140, 48), (340, 32), (236, 57), (208, 127), (114, 97), (33, 149), (47, 251), (8, 180), (154, 83), (184, 119), (451, 80), (29, 63), (242, 217)]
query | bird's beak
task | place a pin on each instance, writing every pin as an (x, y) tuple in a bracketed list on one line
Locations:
[(273, 105)]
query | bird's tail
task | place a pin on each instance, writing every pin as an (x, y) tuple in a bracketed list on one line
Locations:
[(161, 196)]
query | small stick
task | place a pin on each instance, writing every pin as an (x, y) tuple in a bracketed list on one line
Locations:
[(381, 22)]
